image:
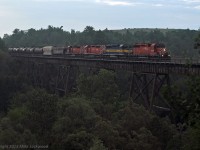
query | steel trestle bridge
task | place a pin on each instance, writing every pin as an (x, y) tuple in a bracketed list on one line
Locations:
[(147, 76)]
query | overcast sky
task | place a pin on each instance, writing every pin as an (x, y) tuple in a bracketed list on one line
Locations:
[(101, 14)]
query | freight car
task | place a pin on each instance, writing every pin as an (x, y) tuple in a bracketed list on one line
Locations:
[(94, 49), (76, 50), (118, 49)]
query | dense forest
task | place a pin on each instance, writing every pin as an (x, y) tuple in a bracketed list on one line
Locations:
[(179, 42), (98, 115)]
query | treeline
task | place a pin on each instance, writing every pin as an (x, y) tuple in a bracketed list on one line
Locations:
[(2, 45), (179, 42)]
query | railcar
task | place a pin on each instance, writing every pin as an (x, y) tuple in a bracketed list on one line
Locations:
[(38, 51), (75, 50), (21, 50), (47, 50), (117, 49), (29, 50), (94, 49), (58, 50), (15, 50), (150, 50)]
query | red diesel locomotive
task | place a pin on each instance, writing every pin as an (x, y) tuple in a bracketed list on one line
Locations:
[(148, 49)]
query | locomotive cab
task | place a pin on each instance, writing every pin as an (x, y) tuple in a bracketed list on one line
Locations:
[(161, 50)]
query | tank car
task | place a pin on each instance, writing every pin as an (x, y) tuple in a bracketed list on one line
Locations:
[(58, 50), (38, 51), (29, 50)]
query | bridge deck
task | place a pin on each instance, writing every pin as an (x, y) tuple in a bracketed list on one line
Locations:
[(139, 66)]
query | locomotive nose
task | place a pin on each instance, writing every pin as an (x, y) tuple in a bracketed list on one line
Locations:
[(165, 53)]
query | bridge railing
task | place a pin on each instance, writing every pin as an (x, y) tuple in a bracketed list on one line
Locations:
[(179, 60)]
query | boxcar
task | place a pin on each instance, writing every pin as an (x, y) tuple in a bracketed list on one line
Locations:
[(47, 50)]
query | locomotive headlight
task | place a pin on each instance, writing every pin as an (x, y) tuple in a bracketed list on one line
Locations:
[(164, 50)]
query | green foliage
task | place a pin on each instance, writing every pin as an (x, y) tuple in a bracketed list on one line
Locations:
[(7, 133), (98, 145), (41, 110), (133, 117), (32, 38), (191, 138), (10, 81), (80, 141), (181, 42), (193, 97), (102, 86), (92, 120), (9, 85), (163, 130), (32, 116), (85, 114), (185, 101), (102, 91), (76, 119), (129, 127), (197, 42), (2, 45), (110, 135), (5, 62), (145, 140), (17, 114), (86, 86), (13, 133)]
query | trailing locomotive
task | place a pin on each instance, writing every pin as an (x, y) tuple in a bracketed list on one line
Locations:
[(149, 50)]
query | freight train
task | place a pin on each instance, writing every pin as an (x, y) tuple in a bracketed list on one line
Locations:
[(150, 50)]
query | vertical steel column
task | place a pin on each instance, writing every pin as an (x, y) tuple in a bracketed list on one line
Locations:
[(38, 73), (62, 79), (140, 88), (146, 88)]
